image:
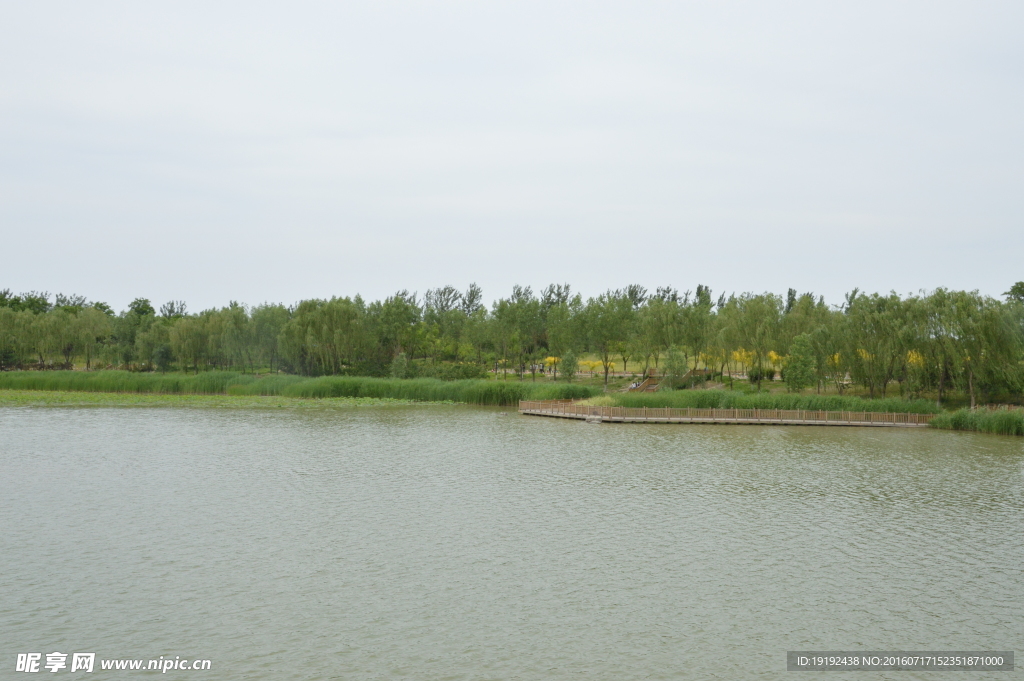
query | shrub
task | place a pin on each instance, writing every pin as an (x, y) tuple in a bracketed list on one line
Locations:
[(400, 366)]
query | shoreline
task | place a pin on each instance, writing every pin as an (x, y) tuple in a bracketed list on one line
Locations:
[(69, 398), (957, 421)]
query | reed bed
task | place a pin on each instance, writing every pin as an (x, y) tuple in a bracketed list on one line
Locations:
[(1004, 422), (206, 383), (265, 385), (728, 399), (501, 393)]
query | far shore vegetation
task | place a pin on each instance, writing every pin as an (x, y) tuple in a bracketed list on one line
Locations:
[(62, 398), (470, 391), (938, 351), (996, 421)]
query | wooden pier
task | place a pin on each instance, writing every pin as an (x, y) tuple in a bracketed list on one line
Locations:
[(568, 409)]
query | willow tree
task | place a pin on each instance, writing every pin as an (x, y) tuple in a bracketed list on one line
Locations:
[(92, 326), (190, 338), (876, 337), (237, 335), (268, 320), (936, 344), (16, 335), (755, 326), (985, 340), (327, 336)]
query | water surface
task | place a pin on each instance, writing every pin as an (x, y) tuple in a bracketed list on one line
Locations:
[(456, 543)]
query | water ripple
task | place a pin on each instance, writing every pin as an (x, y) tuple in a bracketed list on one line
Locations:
[(450, 543)]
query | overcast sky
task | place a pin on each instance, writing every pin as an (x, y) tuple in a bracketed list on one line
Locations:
[(257, 152)]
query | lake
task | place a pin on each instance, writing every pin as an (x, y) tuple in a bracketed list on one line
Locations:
[(451, 542)]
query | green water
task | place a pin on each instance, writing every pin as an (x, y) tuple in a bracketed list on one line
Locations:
[(457, 543)]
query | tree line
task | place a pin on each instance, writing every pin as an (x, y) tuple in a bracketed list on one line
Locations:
[(934, 342)]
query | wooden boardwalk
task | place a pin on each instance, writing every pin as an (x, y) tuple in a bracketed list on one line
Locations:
[(568, 409)]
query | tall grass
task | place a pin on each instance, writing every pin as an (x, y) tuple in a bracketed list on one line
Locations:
[(207, 383), (997, 422), (472, 391), (267, 385), (433, 390), (502, 393), (728, 399)]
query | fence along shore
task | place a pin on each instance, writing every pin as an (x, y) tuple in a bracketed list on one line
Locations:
[(569, 409)]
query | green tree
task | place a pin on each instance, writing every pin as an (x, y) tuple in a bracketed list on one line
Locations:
[(800, 367), (238, 336), (804, 314), (675, 369), (190, 340), (64, 335), (173, 309), (92, 327), (36, 302), (564, 326), (517, 330), (268, 321), (984, 337), (16, 336), (332, 336), (399, 320), (755, 327), (699, 323), (1016, 292), (935, 343), (877, 333), (442, 311), (478, 333), (608, 317), (163, 358), (125, 328), (149, 340), (569, 365), (141, 307), (662, 321)]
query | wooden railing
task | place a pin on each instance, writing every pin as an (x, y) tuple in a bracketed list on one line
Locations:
[(573, 410), (647, 385)]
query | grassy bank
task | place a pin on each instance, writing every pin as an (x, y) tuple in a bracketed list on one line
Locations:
[(60, 398), (982, 421), (502, 393), (728, 399)]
